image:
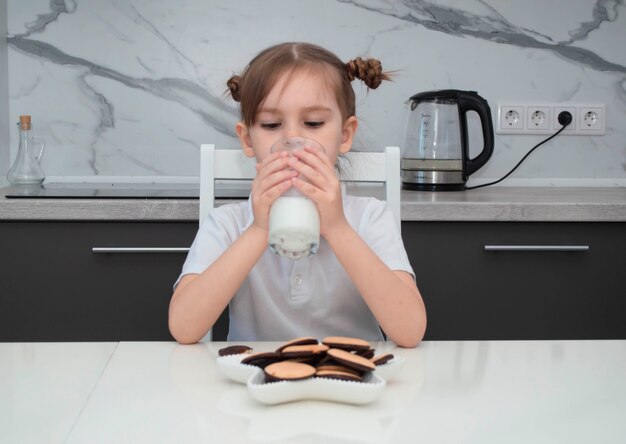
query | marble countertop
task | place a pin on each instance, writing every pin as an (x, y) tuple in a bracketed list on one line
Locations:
[(512, 204)]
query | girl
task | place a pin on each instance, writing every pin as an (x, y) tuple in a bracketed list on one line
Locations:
[(360, 280)]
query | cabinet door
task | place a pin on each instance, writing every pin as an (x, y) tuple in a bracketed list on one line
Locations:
[(55, 288), (471, 293)]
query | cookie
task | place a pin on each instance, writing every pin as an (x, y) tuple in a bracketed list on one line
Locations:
[(288, 371), (303, 351), (368, 354), (327, 360), (335, 374), (262, 359), (310, 360), (351, 360), (298, 341), (234, 350), (345, 343), (337, 368), (382, 359)]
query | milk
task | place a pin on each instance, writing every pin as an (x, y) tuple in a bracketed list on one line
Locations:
[(294, 226), (294, 219)]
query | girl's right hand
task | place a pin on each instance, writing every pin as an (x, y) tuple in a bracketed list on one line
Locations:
[(273, 179)]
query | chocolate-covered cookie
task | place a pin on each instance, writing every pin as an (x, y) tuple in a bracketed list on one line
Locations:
[(336, 374), (337, 368), (351, 360), (302, 351), (288, 371), (234, 350), (368, 354), (298, 341), (327, 360), (345, 343), (262, 359), (382, 359)]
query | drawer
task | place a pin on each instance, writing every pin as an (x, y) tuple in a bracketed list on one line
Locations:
[(90, 281), (487, 280)]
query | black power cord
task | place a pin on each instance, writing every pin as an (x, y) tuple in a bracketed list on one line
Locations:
[(565, 118)]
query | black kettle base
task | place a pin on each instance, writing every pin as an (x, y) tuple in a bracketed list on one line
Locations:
[(433, 186)]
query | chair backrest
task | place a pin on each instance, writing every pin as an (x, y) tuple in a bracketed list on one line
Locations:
[(225, 164)]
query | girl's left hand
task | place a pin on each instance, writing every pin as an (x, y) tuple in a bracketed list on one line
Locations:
[(322, 186)]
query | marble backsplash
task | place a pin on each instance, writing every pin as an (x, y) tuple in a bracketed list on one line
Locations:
[(132, 88), (4, 95)]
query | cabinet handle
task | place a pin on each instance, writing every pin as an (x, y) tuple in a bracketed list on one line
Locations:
[(139, 249), (536, 247)]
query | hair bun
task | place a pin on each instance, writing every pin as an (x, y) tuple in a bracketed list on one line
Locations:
[(370, 71), (233, 87)]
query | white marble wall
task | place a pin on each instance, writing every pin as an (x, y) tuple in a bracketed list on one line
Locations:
[(132, 87), (4, 95)]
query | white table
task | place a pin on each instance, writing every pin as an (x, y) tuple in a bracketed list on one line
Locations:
[(482, 392), (43, 388)]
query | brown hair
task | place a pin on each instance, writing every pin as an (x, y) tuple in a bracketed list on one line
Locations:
[(262, 73)]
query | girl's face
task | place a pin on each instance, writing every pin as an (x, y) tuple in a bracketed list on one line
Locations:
[(301, 104)]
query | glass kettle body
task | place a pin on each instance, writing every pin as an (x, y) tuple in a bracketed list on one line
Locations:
[(436, 151)]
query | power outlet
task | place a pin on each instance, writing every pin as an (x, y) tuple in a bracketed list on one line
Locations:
[(591, 120), (556, 110), (538, 118), (543, 118), (511, 117)]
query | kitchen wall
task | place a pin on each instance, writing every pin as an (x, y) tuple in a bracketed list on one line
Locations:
[(131, 88), (4, 96)]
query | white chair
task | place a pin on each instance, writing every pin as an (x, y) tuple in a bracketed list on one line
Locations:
[(364, 167)]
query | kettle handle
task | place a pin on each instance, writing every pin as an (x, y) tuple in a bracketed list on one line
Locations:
[(473, 102)]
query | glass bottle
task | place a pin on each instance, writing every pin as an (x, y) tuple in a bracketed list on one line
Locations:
[(26, 169)]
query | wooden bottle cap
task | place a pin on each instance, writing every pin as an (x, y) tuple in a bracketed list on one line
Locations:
[(25, 122)]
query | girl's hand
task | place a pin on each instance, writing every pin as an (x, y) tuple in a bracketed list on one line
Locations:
[(273, 179), (323, 186)]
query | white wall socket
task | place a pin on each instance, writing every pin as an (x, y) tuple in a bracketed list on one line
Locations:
[(542, 118), (511, 117)]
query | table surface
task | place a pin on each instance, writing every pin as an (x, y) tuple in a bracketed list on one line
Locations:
[(471, 391)]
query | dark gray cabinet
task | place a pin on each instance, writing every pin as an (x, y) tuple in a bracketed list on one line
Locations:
[(513, 293), (55, 288)]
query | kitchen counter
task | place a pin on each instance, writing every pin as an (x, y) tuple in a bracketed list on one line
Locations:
[(505, 204), (449, 391)]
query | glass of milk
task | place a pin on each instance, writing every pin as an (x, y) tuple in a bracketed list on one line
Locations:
[(294, 220)]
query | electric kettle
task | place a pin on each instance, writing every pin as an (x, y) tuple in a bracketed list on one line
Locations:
[(436, 148)]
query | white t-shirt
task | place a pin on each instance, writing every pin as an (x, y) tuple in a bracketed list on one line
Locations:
[(282, 299)]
